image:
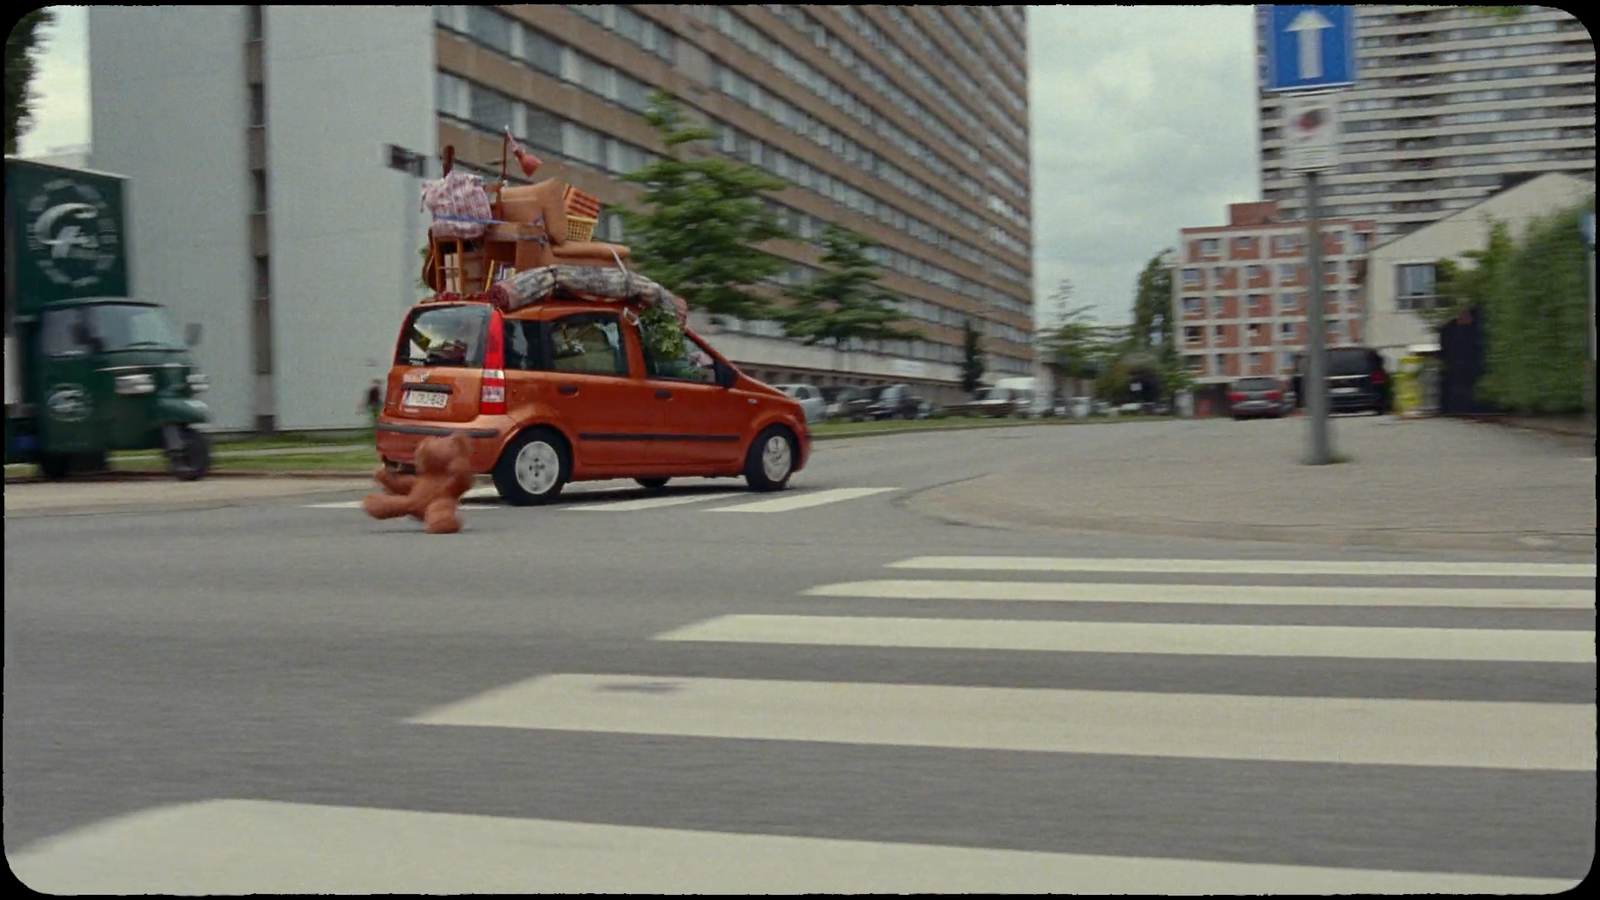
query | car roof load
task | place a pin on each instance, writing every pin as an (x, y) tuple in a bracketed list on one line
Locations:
[(617, 285)]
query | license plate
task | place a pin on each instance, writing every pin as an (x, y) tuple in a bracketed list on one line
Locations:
[(428, 399), (1344, 390)]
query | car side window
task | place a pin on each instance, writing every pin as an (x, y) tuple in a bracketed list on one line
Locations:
[(590, 343), (691, 363), (524, 349)]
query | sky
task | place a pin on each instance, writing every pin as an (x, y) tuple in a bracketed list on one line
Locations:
[(1143, 121)]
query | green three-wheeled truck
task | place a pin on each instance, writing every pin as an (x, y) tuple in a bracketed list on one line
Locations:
[(88, 368)]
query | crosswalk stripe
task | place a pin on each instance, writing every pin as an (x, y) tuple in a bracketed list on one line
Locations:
[(1528, 736), (1246, 566), (1252, 595), (648, 503), (802, 500), (233, 847), (1458, 644)]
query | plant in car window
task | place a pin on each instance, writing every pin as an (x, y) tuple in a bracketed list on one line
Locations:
[(662, 334)]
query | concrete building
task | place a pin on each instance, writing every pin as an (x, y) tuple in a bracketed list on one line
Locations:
[(1239, 295), (1450, 106), (1402, 272), (270, 203)]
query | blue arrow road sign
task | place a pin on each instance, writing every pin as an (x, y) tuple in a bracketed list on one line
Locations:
[(1310, 47)]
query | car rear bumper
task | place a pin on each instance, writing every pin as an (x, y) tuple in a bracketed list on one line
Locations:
[(1258, 408), (397, 439)]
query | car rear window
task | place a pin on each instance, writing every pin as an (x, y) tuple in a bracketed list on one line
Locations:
[(1347, 361), (1256, 384), (444, 336)]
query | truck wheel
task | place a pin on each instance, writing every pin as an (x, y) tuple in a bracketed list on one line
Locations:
[(192, 458), (54, 466), (653, 484)]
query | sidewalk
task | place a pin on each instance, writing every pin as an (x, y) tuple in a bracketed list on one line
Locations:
[(1416, 484), (83, 497)]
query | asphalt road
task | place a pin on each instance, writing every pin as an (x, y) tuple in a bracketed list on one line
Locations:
[(622, 693)]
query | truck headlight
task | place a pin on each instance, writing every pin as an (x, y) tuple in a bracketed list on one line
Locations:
[(141, 383)]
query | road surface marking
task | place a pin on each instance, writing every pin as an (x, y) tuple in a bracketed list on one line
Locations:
[(802, 500), (650, 502), (1245, 566), (1533, 736), (1457, 644), (235, 847), (1252, 595)]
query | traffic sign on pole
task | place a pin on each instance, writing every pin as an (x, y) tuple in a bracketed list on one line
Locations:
[(1310, 47)]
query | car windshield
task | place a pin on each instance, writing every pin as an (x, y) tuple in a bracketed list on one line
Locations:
[(444, 336), (129, 326)]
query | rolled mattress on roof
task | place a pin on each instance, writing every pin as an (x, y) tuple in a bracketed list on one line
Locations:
[(537, 285)]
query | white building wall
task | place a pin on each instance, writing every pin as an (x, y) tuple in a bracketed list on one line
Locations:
[(168, 109), (1390, 329), (341, 84)]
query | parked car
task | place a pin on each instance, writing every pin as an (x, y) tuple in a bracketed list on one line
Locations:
[(565, 390), (810, 399), (1251, 398), (846, 402), (1357, 381), (896, 401)]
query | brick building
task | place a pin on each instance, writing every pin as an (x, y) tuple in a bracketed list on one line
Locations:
[(1239, 293)]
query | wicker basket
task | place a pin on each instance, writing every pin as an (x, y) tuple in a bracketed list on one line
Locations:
[(580, 228)]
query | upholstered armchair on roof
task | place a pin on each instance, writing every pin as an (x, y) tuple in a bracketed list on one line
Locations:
[(530, 203)]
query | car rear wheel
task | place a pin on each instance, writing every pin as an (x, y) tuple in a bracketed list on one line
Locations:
[(534, 468), (770, 460), (654, 484)]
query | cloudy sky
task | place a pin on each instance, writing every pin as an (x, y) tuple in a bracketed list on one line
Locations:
[(1143, 122)]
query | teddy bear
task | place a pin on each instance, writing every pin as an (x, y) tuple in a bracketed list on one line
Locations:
[(444, 473)]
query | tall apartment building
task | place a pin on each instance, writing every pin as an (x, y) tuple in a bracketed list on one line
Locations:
[(1450, 106), (268, 205), (1239, 295)]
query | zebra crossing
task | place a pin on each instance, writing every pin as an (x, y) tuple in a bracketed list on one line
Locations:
[(393, 850), (598, 499)]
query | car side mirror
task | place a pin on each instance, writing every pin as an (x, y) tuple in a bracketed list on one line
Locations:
[(191, 334), (727, 376)]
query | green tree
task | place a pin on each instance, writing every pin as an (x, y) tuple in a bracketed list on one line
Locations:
[(1498, 12), (706, 220), (22, 43), (844, 302), (1152, 305), (971, 358), (1536, 317)]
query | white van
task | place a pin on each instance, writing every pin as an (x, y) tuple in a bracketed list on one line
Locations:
[(1035, 401)]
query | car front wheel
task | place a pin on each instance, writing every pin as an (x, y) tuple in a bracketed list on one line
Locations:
[(770, 461)]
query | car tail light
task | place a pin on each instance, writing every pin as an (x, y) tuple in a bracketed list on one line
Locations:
[(1235, 398), (1377, 378), (492, 400), (1274, 395)]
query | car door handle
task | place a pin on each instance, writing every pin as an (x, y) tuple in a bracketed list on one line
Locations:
[(663, 395), (568, 389)]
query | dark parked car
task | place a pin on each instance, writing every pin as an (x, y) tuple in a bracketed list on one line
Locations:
[(896, 401), (847, 403), (1357, 381), (1250, 398)]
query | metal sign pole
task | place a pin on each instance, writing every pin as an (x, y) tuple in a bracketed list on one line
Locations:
[(1316, 378)]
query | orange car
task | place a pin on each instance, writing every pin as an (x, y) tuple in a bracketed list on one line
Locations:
[(566, 391)]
